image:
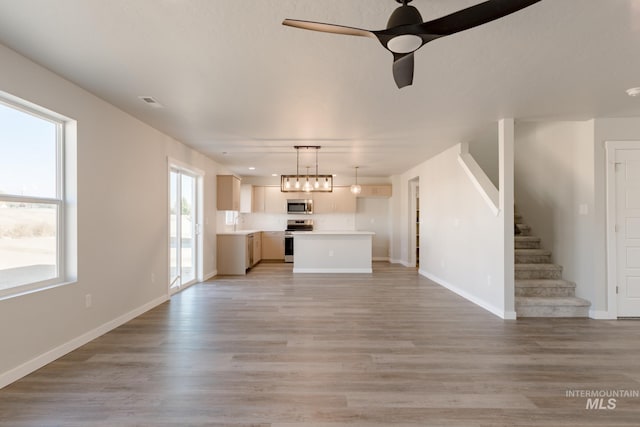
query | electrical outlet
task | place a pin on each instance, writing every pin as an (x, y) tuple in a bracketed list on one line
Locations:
[(87, 300), (153, 278), (330, 253)]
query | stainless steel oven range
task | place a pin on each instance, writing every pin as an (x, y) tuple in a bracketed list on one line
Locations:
[(294, 225)]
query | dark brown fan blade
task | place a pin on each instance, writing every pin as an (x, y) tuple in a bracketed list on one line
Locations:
[(403, 69), (328, 28), (473, 16)]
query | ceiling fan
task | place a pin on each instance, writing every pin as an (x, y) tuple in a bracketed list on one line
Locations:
[(406, 32)]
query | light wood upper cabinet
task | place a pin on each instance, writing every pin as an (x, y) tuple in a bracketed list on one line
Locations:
[(258, 199), (275, 201), (379, 190), (228, 197), (340, 200)]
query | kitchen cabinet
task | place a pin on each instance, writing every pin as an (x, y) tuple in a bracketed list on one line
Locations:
[(246, 198), (379, 190), (238, 251), (275, 201), (340, 200), (257, 248), (228, 194), (258, 199), (273, 245)]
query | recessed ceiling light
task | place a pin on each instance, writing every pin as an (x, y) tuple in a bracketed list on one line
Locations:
[(634, 91), (274, 174), (251, 168)]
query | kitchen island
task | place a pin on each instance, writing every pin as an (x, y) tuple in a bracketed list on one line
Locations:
[(332, 251)]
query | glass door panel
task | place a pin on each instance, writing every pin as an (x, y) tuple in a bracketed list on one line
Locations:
[(174, 229), (183, 229), (188, 229)]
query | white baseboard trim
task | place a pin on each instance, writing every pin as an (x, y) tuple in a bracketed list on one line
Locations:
[(601, 315), (38, 362), (472, 298), (380, 258), (333, 270), (210, 276)]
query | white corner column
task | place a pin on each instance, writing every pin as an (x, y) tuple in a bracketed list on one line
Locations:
[(506, 142)]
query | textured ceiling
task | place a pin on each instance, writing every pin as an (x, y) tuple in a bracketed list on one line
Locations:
[(233, 80)]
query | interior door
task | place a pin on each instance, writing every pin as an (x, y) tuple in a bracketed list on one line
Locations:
[(183, 229), (628, 232)]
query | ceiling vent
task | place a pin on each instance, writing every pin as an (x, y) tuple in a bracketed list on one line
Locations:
[(150, 101)]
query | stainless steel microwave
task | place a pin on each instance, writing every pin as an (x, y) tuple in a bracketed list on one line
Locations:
[(300, 206)]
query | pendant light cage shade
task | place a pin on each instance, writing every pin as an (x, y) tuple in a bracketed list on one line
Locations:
[(355, 188), (307, 183)]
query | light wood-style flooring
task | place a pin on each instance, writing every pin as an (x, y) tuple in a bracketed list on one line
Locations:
[(274, 349)]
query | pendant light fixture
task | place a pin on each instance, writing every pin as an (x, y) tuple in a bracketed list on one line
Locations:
[(355, 188), (307, 187), (321, 183)]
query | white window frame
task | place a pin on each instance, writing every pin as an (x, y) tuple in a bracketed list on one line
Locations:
[(58, 201)]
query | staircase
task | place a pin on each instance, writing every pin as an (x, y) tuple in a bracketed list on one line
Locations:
[(540, 289)]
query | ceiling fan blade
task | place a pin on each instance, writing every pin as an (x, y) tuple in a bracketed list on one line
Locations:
[(403, 66), (473, 16), (328, 28)]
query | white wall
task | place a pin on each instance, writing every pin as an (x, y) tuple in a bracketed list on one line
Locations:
[(484, 149), (461, 239), (613, 129), (554, 178), (373, 215), (122, 222)]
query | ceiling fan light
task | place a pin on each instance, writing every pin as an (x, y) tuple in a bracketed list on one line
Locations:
[(406, 43)]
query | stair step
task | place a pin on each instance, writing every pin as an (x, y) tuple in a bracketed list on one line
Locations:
[(533, 256), (552, 307), (525, 230), (538, 271), (545, 288), (527, 242), (517, 217)]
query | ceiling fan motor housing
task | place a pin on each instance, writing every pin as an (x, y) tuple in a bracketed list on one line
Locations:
[(404, 15)]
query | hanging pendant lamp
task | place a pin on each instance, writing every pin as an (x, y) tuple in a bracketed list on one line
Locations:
[(355, 188)]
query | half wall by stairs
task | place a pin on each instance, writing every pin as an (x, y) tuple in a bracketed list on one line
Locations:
[(540, 289)]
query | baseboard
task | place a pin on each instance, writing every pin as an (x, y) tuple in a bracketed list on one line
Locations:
[(380, 258), (210, 276), (38, 362), (601, 315), (472, 298)]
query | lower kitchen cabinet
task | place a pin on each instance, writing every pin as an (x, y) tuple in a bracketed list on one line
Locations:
[(237, 252), (273, 245)]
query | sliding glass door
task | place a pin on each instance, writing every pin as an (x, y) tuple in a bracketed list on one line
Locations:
[(183, 228)]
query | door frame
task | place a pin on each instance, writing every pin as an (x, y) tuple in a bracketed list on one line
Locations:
[(612, 256), (198, 175)]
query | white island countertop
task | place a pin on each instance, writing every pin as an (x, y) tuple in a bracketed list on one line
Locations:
[(335, 232), (327, 251), (238, 232)]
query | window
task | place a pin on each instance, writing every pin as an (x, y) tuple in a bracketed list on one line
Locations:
[(31, 199), (231, 217)]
